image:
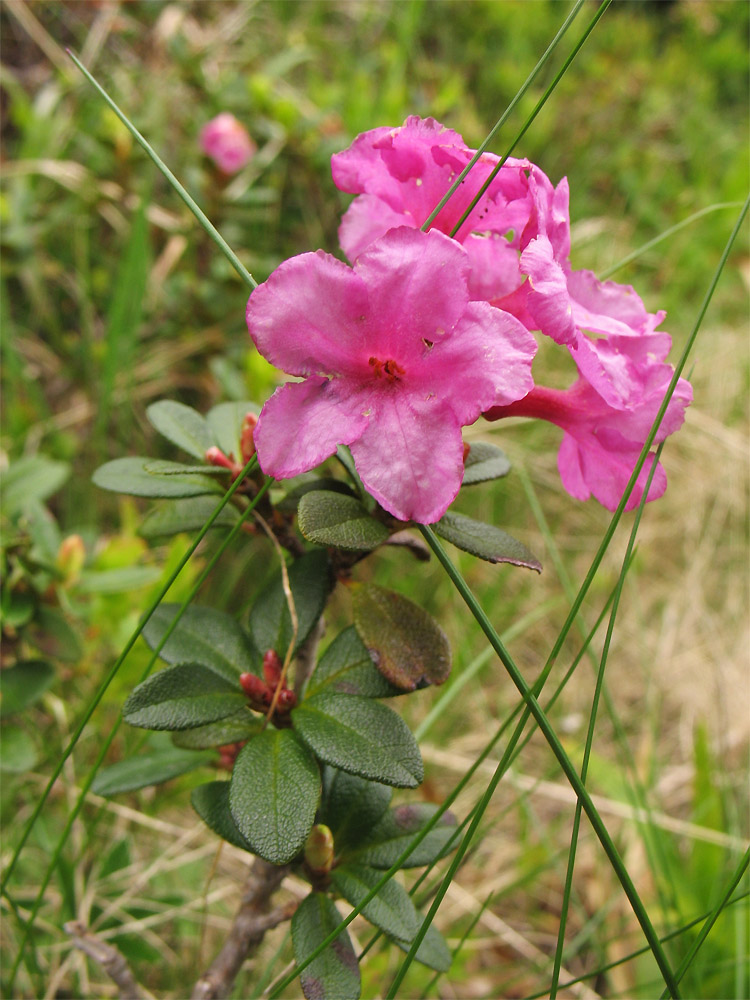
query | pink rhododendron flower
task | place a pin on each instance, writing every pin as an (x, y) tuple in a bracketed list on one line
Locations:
[(601, 444), (400, 174), (395, 360), (227, 142)]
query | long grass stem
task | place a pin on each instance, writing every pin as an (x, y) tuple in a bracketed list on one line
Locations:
[(504, 117), (199, 214)]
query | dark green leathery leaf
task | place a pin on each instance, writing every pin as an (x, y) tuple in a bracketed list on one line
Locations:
[(274, 793), (361, 736), (346, 667), (485, 541), (211, 802), (204, 635), (131, 476), (182, 697), (147, 769), (352, 805), (389, 838), (406, 643), (391, 909), (334, 974), (484, 462), (328, 518), (182, 425)]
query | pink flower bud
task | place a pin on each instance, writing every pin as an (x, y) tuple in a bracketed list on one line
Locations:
[(247, 444), (272, 668), (227, 142), (256, 689), (286, 702)]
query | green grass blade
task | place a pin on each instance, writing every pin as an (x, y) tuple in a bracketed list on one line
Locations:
[(504, 117), (714, 916), (665, 939), (527, 124), (645, 247), (592, 725), (202, 218), (564, 761)]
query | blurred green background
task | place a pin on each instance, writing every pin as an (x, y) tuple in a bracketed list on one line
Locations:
[(112, 297)]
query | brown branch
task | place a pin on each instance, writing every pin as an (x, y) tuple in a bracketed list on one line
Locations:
[(110, 959), (250, 924)]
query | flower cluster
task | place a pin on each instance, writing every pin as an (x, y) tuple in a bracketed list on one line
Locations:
[(428, 330)]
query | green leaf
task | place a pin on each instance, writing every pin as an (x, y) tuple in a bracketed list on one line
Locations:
[(407, 645), (181, 425), (334, 974), (148, 769), (346, 667), (225, 423), (23, 684), (234, 728), (188, 514), (182, 697), (34, 477), (432, 951), (328, 518), (204, 635), (310, 580), (17, 750), (391, 910), (485, 541), (130, 476), (390, 837), (290, 501), (211, 802), (119, 580), (275, 790), (360, 736), (352, 806), (163, 467), (18, 608), (484, 462)]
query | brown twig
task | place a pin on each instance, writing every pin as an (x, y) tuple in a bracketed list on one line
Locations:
[(250, 925), (110, 959)]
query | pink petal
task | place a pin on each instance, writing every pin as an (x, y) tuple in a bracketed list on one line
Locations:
[(310, 316), (411, 459), (495, 270), (303, 423), (366, 220), (609, 308), (417, 284), (485, 362), (548, 300)]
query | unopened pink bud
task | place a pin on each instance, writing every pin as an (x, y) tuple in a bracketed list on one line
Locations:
[(286, 702), (271, 668), (227, 142), (256, 689), (247, 443), (215, 456)]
